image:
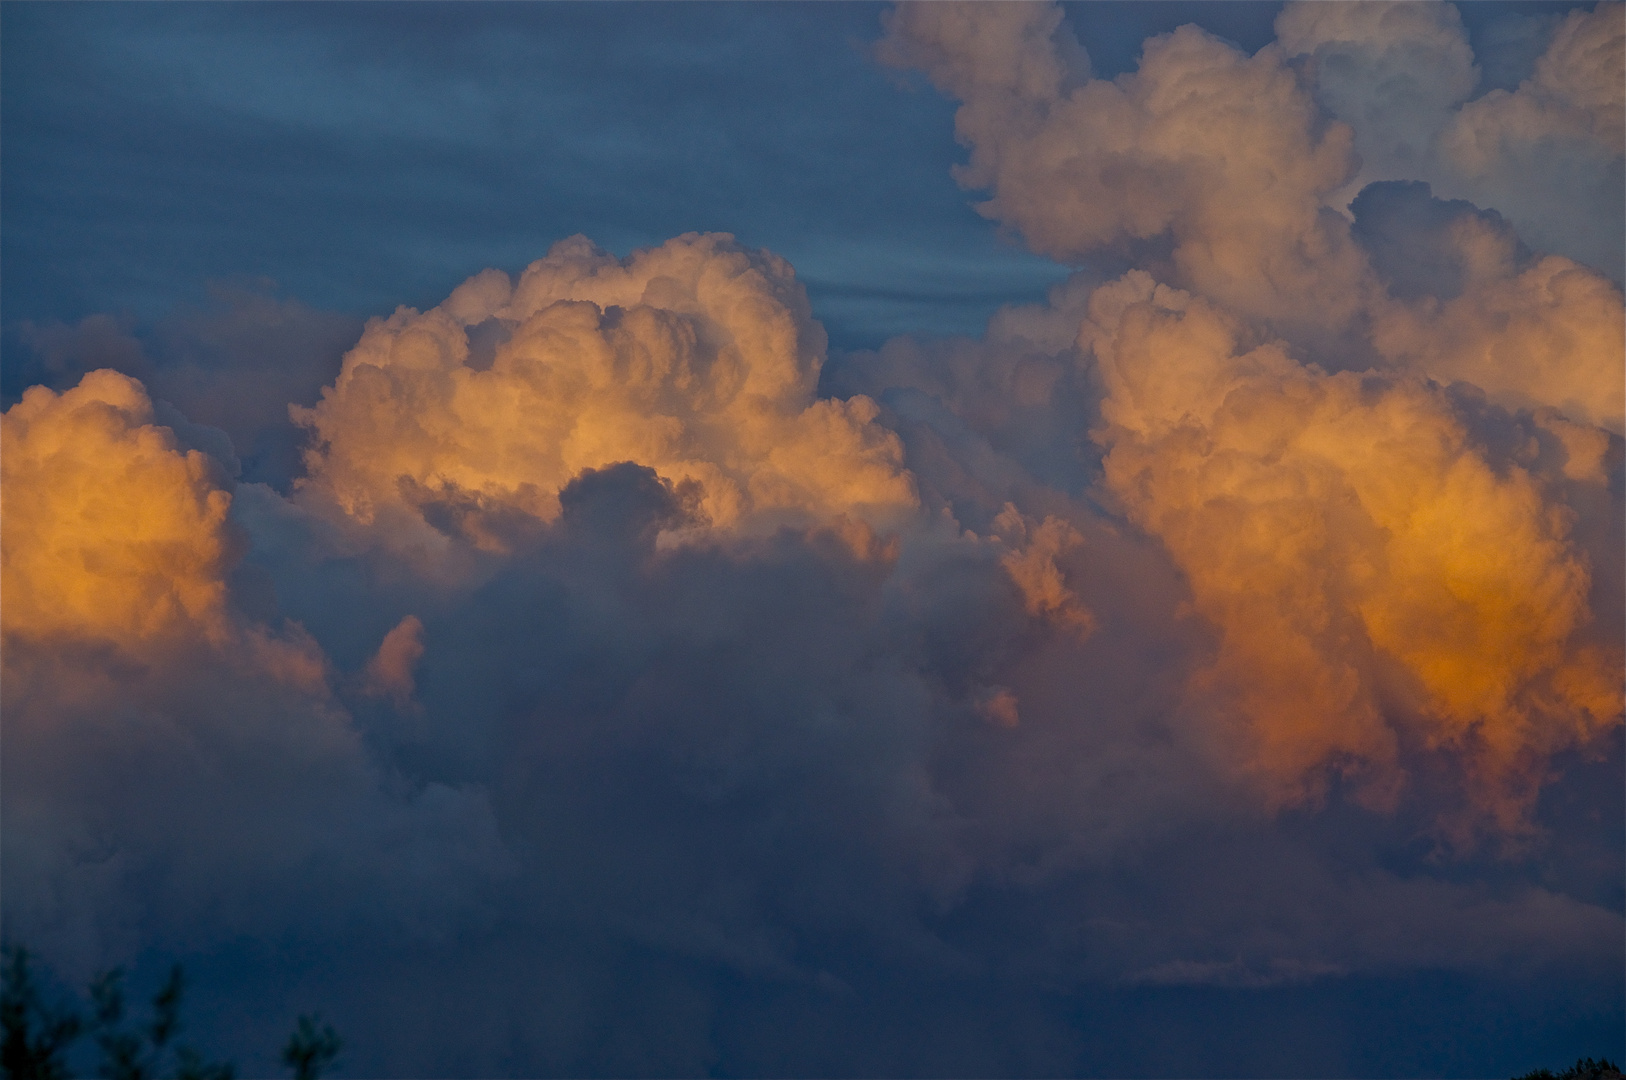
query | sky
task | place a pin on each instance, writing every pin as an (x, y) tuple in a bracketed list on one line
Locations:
[(821, 539)]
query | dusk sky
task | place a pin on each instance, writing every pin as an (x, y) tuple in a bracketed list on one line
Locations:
[(822, 539)]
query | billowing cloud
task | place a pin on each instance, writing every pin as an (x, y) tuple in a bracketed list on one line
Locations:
[(1394, 72), (179, 760), (1332, 526), (233, 363), (111, 530), (697, 358), (1330, 523), (623, 675), (1228, 159), (1529, 331), (1547, 153), (1184, 150)]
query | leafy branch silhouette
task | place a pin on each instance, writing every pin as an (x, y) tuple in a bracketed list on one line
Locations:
[(35, 1036)]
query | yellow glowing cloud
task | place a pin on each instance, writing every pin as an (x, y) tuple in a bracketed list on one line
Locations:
[(698, 358), (109, 529), (110, 533), (1371, 574)]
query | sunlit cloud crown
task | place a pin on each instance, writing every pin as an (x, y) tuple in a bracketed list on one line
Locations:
[(111, 529), (698, 358)]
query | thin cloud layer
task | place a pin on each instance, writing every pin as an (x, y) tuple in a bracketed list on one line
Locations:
[(623, 676)]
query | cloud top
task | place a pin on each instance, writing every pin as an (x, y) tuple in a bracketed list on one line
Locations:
[(698, 358), (111, 529)]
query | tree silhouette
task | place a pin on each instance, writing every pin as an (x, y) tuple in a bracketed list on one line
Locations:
[(34, 1038), (138, 1054), (1583, 1069), (311, 1050)]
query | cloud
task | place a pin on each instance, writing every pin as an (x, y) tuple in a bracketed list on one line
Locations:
[(389, 672), (624, 675), (1547, 153), (233, 363), (1322, 550), (170, 762), (1183, 149), (1529, 331), (697, 358), (1033, 568), (1394, 72), (1230, 161), (1331, 523), (111, 530)]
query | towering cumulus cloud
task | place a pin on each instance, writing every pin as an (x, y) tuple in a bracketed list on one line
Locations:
[(1329, 523), (1379, 576), (697, 358), (628, 684), (1221, 153), (1227, 158)]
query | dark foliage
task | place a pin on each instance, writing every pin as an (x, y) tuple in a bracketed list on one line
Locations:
[(1583, 1069), (310, 1049), (138, 1053), (37, 1037)]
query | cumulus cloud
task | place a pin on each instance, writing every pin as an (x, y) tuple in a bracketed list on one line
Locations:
[(390, 671), (1230, 161), (1331, 525), (1562, 132), (233, 363), (622, 668), (1547, 153), (698, 358), (168, 759), (1529, 331), (1395, 72), (1327, 522), (1182, 150), (1031, 563), (111, 530)]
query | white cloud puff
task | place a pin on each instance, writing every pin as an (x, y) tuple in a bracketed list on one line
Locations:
[(698, 358), (1224, 153)]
